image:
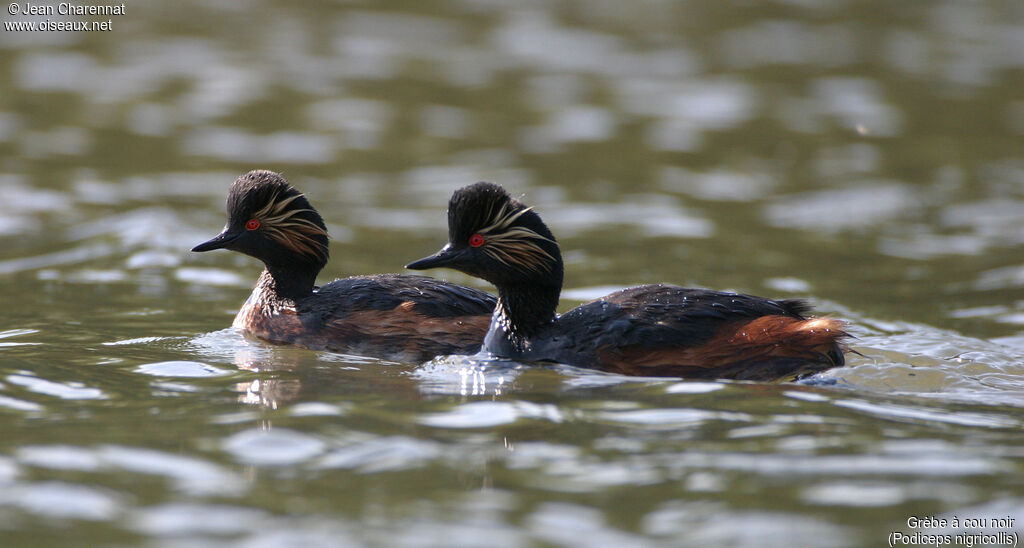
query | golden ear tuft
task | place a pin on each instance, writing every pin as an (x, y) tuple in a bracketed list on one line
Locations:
[(286, 227), (515, 246)]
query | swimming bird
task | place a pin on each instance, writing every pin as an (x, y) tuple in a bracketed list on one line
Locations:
[(389, 316), (649, 330)]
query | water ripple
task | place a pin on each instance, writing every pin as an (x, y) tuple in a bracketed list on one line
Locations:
[(490, 413), (61, 500), (185, 519), (383, 454), (180, 369), (67, 391), (192, 476), (276, 447)]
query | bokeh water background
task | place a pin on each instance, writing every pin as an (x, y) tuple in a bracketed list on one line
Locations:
[(868, 156)]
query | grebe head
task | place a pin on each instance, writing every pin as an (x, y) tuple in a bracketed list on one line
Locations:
[(270, 220), (495, 237)]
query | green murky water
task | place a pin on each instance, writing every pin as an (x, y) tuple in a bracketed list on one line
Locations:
[(867, 156)]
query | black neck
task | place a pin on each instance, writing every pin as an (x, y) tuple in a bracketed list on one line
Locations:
[(291, 282), (527, 309)]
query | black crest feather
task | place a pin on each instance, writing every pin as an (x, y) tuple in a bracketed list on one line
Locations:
[(286, 216), (513, 234), (474, 207)]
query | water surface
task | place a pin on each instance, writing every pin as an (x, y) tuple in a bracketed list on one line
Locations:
[(865, 156)]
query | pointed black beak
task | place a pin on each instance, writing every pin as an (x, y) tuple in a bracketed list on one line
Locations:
[(447, 257), (219, 241)]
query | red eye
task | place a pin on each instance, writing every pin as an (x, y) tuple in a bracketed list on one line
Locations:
[(476, 240), (252, 224)]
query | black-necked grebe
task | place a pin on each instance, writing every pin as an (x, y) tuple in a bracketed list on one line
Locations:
[(656, 330), (391, 316)]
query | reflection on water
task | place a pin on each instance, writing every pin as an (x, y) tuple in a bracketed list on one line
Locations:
[(864, 156)]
